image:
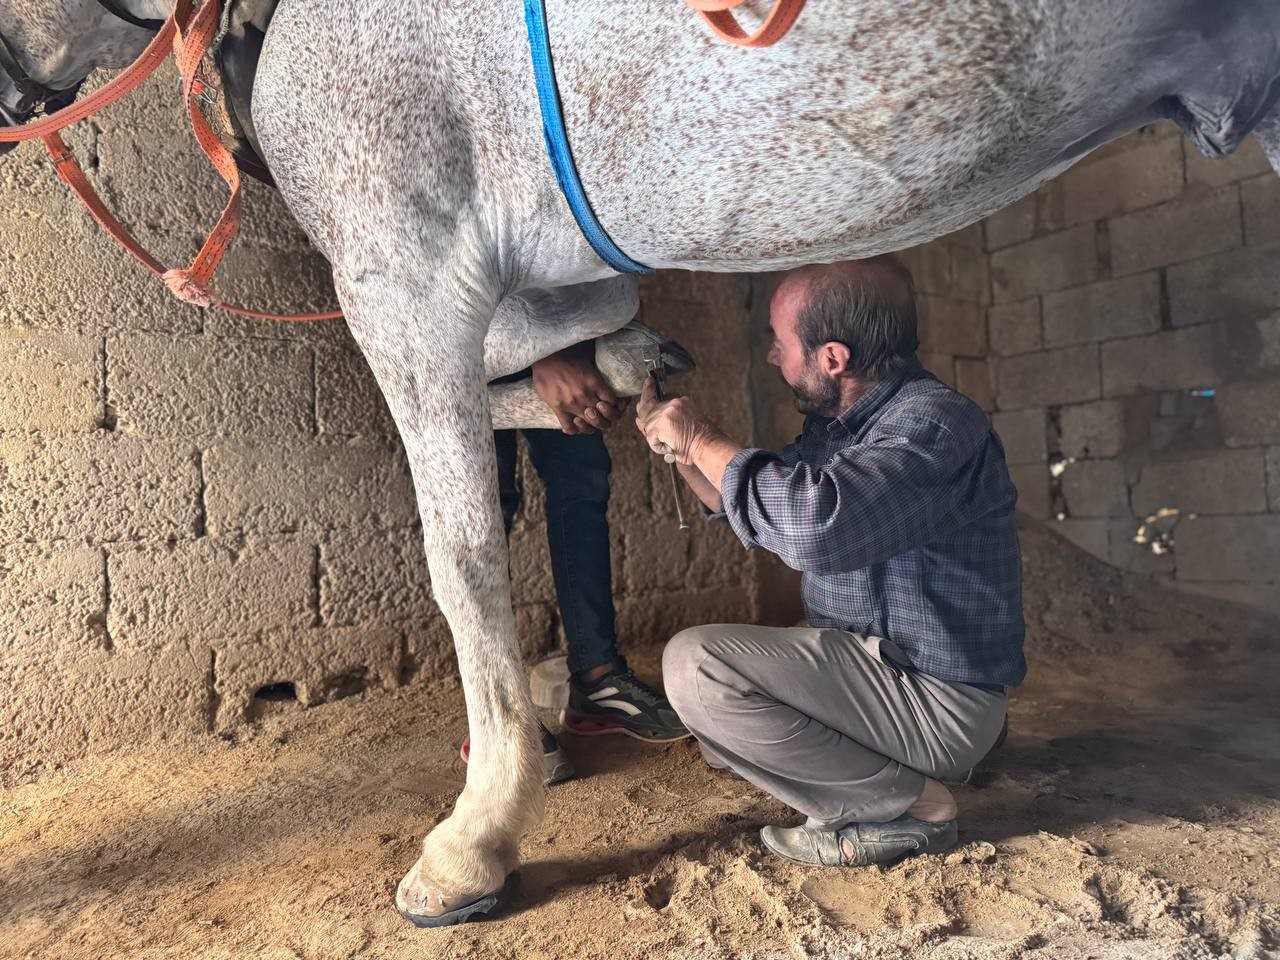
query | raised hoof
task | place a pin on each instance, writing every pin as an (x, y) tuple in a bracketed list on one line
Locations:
[(490, 905)]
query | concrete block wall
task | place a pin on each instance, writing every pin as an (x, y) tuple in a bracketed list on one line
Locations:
[(1134, 334), (204, 519)]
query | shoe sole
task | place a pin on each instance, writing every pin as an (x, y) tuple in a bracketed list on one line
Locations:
[(853, 866), (558, 767), (482, 909), (590, 727)]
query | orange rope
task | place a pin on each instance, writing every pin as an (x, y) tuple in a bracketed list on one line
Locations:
[(726, 27)]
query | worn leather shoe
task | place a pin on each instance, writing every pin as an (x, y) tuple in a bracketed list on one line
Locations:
[(859, 844)]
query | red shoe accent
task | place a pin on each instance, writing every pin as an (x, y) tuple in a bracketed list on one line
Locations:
[(587, 726)]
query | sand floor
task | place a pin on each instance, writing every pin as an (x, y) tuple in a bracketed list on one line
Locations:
[(1133, 813)]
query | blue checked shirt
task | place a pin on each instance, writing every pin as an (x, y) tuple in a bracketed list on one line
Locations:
[(899, 513)]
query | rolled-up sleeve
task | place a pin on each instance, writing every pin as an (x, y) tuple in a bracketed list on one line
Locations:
[(869, 502)]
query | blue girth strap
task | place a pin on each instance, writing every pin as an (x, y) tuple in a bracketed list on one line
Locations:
[(557, 141)]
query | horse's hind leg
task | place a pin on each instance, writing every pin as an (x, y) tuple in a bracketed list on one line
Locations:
[(423, 334)]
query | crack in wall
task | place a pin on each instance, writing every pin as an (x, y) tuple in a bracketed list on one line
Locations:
[(108, 420), (202, 514), (1058, 506)]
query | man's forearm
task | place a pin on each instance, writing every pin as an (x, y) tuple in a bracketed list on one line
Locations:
[(701, 487), (711, 455)]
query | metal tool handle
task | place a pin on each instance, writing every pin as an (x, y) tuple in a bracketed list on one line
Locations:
[(655, 373)]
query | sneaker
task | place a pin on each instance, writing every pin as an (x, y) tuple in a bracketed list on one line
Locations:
[(859, 844), (620, 703), (557, 765)]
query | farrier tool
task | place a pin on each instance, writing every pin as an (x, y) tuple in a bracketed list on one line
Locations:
[(652, 354)]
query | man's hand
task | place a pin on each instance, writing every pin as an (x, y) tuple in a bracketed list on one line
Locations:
[(672, 426), (569, 383)]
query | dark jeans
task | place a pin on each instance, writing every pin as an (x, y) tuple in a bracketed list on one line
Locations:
[(575, 472)]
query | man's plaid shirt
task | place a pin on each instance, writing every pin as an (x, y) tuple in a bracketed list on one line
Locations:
[(899, 512)]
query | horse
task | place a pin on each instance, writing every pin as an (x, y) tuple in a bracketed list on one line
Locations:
[(407, 140)]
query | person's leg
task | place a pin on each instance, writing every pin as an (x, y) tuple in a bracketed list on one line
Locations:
[(823, 723), (504, 444), (604, 695), (575, 471)]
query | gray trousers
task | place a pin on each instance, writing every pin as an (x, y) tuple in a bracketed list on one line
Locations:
[(828, 722)]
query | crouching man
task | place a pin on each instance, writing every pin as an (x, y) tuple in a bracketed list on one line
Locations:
[(896, 504)]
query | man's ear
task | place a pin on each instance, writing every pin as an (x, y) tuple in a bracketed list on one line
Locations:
[(833, 358)]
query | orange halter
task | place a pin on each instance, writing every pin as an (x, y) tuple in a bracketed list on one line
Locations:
[(726, 27), (189, 34)]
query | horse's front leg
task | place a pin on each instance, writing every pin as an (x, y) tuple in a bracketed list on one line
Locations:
[(425, 345)]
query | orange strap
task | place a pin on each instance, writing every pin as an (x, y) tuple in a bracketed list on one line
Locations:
[(726, 26), (190, 36)]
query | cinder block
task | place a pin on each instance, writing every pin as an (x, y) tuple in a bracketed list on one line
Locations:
[(1273, 479), (1090, 535), (429, 655), (51, 381), (203, 387), (1242, 548), (941, 365), (1066, 375), (1102, 311), (1170, 360), (1269, 338), (629, 492), (284, 276), (1249, 413), (282, 489), (656, 618), (655, 557), (970, 237), (952, 326), (375, 577), (1022, 432), (1261, 200), (970, 274), (974, 380), (1014, 327), (52, 600), (99, 488), (1127, 554), (1197, 224), (1240, 285), (1247, 161), (1092, 429), (531, 577), (1260, 596), (93, 701), (348, 399), (1228, 481), (323, 665), (537, 630), (206, 589), (1032, 483), (1047, 263), (717, 557), (930, 266), (1014, 224), (1096, 488), (1147, 173)]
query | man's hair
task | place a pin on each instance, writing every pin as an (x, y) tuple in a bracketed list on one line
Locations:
[(870, 307)]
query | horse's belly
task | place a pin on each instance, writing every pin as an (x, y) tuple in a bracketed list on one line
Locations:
[(874, 125)]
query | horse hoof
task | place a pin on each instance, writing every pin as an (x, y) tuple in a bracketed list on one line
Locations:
[(487, 906)]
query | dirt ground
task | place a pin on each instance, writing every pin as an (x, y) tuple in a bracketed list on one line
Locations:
[(1133, 813)]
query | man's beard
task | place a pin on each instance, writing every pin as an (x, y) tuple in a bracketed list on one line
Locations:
[(815, 394)]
